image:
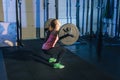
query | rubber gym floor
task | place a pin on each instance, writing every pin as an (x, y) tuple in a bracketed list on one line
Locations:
[(81, 61)]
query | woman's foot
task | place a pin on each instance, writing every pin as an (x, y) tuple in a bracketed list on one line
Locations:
[(52, 60), (58, 66)]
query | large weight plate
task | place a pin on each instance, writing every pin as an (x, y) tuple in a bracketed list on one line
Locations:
[(69, 29)]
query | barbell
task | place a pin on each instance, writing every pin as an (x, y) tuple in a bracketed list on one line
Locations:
[(69, 30)]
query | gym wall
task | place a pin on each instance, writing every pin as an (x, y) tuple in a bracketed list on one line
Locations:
[(1, 11), (28, 30), (35, 13)]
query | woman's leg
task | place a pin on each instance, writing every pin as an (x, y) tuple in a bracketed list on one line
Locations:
[(50, 52), (56, 53), (61, 51)]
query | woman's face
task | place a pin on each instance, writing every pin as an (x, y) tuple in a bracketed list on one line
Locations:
[(58, 24)]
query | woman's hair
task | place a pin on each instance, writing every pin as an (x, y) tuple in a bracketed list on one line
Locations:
[(53, 24)]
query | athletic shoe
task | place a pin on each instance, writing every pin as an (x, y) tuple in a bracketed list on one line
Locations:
[(59, 66), (52, 60)]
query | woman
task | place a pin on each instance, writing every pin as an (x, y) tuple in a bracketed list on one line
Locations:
[(50, 47)]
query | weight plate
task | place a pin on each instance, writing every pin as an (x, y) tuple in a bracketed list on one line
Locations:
[(69, 29)]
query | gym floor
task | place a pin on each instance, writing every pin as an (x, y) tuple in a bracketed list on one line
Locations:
[(81, 60)]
